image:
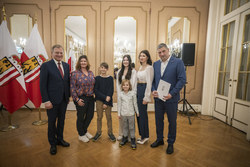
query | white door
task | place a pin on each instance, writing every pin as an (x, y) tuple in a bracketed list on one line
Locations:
[(241, 81), (225, 71), (232, 97)]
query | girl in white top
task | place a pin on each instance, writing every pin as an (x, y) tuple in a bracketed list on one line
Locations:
[(126, 72), (145, 77)]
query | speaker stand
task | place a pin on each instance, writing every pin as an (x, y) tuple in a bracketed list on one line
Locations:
[(185, 109)]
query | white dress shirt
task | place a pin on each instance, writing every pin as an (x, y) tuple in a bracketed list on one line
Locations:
[(60, 65), (164, 65)]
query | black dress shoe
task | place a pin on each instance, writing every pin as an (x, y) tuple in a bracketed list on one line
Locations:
[(63, 143), (170, 149), (53, 150), (157, 143)]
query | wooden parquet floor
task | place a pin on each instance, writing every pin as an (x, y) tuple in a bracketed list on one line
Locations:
[(208, 143)]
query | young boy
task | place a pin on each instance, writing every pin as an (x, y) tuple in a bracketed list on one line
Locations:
[(104, 89)]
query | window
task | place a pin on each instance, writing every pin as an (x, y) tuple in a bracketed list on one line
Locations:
[(243, 86), (225, 59), (234, 4)]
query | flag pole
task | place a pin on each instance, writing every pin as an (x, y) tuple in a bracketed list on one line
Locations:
[(35, 18), (1, 110), (40, 121), (4, 14), (4, 18), (10, 126)]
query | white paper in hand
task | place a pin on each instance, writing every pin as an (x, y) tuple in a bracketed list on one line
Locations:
[(163, 89)]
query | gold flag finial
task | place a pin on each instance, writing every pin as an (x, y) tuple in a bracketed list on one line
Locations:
[(4, 14), (35, 18)]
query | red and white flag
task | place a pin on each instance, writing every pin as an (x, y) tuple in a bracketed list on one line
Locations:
[(12, 86), (71, 60), (33, 56)]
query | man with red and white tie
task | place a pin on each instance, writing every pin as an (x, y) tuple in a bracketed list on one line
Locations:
[(54, 87)]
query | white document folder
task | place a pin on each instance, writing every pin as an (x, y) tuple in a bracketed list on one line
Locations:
[(163, 89)]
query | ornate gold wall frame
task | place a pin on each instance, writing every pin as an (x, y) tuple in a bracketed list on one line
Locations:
[(33, 10), (80, 9), (119, 14), (33, 20), (21, 26), (194, 16)]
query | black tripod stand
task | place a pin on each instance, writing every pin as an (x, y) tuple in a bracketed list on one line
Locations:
[(185, 109)]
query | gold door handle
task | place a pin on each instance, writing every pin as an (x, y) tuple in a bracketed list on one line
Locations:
[(230, 80), (235, 80)]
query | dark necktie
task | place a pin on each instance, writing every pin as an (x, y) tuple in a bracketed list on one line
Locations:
[(60, 69)]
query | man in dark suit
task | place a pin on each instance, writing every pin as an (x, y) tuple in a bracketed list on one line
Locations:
[(54, 87), (171, 70)]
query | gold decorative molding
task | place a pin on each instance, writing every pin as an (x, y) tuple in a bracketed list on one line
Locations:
[(225, 108), (30, 14), (198, 33), (90, 6), (234, 111), (146, 23)]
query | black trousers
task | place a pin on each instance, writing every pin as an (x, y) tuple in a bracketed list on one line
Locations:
[(84, 114), (57, 113), (171, 109)]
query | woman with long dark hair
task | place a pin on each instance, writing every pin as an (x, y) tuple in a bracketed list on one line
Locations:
[(145, 76), (82, 90), (126, 72)]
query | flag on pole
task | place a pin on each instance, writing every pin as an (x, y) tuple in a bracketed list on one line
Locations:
[(12, 86), (33, 56), (71, 60)]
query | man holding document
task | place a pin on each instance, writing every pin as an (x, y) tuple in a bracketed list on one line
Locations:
[(169, 78)]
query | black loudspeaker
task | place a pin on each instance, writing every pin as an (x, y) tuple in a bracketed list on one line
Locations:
[(188, 54)]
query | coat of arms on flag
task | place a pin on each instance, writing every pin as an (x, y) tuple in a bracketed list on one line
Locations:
[(9, 69), (12, 86), (33, 56)]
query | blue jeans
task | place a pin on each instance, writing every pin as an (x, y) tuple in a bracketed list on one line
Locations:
[(142, 120)]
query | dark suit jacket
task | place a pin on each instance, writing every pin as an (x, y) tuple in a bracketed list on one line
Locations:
[(53, 87), (174, 74)]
